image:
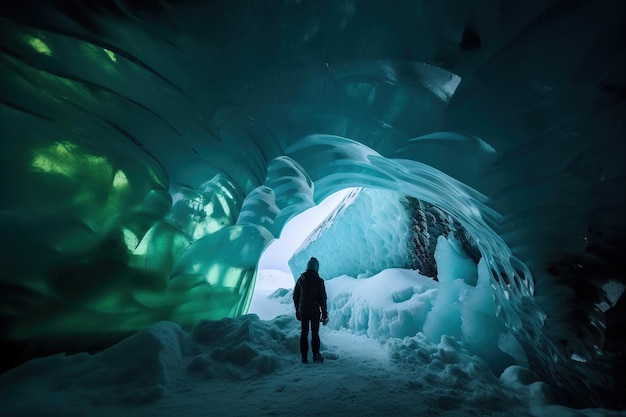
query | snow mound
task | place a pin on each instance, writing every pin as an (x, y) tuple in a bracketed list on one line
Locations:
[(244, 347), (377, 309), (247, 366), (459, 379), (146, 367)]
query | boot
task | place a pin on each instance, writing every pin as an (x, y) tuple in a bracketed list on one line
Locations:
[(318, 358)]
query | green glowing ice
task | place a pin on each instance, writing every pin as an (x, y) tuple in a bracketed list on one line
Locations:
[(38, 45), (111, 55), (94, 53)]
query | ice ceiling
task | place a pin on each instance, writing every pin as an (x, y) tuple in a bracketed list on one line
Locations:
[(151, 151)]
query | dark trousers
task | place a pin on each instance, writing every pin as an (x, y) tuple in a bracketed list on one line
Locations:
[(312, 320)]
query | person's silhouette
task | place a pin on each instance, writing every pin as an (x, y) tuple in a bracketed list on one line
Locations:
[(309, 298)]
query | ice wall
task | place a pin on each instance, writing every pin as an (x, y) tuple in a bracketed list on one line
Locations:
[(370, 231), (144, 147)]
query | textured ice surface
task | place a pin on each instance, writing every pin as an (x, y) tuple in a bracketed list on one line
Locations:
[(370, 232), (372, 307), (418, 304), (142, 148)]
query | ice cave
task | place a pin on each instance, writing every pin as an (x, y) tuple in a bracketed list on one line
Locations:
[(151, 151)]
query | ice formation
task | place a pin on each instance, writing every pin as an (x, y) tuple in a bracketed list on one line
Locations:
[(460, 305), (367, 233), (372, 230), (149, 154)]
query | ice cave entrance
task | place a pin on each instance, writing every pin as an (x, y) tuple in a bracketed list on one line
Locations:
[(274, 272), (395, 302)]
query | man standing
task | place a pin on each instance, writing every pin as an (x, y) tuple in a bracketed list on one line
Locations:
[(309, 298)]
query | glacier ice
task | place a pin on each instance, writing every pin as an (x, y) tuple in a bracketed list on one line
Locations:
[(368, 233), (149, 155), (372, 307)]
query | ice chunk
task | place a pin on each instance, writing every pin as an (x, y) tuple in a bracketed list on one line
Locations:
[(453, 268), (482, 330), (466, 312), (379, 309)]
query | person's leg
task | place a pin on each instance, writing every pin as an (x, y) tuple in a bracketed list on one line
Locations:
[(315, 336), (304, 336)]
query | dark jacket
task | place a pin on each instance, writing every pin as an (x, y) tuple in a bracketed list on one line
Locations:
[(309, 295)]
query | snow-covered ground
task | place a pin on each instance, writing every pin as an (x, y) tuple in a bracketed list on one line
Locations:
[(250, 366)]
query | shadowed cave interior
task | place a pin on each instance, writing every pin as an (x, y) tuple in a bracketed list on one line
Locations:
[(151, 151)]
